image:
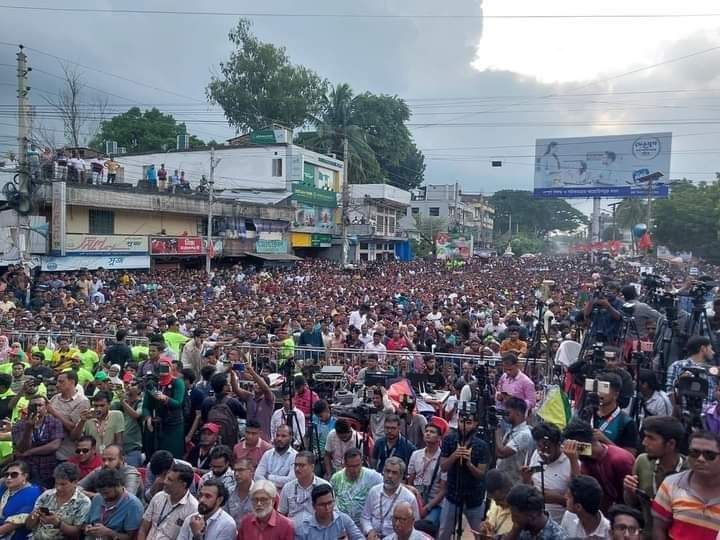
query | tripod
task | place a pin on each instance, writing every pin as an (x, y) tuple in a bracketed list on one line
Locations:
[(291, 418), (536, 344), (699, 325)]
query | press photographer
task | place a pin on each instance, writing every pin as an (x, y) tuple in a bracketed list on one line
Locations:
[(641, 312), (603, 313), (701, 356), (513, 448), (162, 410), (611, 425), (465, 458)]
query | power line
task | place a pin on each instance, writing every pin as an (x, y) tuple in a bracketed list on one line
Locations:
[(389, 16)]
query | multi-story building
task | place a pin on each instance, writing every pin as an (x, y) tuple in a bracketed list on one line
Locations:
[(441, 201), (374, 213), (482, 218)]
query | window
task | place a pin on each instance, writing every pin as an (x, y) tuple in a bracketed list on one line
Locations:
[(277, 167), (101, 222), (415, 210), (363, 245), (434, 211)]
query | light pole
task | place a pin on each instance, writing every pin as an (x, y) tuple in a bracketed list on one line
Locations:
[(213, 164)]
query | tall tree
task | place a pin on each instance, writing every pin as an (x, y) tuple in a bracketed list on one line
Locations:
[(80, 119), (259, 86), (689, 220), (380, 145), (629, 213), (148, 131), (535, 217)]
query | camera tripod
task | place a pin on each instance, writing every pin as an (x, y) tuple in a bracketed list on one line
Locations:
[(292, 420), (535, 347)]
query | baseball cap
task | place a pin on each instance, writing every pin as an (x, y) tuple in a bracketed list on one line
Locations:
[(212, 427)]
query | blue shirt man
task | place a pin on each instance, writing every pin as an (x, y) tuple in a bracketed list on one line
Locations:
[(324, 522), (113, 510), (393, 444)]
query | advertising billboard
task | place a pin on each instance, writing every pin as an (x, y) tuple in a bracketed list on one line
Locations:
[(453, 246), (177, 245), (91, 244), (608, 166)]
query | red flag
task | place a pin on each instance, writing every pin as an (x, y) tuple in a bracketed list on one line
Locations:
[(645, 242), (211, 248)]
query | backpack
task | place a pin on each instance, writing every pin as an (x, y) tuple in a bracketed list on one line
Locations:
[(221, 414)]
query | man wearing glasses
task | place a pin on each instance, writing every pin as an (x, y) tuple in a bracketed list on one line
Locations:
[(295, 497), (687, 503), (325, 522)]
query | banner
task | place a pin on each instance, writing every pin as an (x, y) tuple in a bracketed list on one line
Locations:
[(89, 244), (310, 195), (271, 246), (613, 246), (177, 245), (93, 262), (453, 246), (611, 166)]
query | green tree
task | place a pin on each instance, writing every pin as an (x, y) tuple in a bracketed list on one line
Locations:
[(629, 213), (534, 217), (259, 86), (427, 228), (689, 220), (138, 131), (524, 244), (380, 145)]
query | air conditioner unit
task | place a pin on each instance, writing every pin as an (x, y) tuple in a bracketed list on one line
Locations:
[(111, 148), (183, 142)]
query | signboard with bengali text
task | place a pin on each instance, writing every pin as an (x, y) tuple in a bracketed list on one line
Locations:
[(105, 243), (177, 245)]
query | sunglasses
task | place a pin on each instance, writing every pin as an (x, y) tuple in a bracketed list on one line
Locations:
[(12, 474), (709, 455), (82, 450)]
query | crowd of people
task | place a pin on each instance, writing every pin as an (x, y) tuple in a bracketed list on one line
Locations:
[(153, 405)]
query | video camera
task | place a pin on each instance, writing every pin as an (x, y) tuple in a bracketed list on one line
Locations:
[(652, 281), (692, 384), (590, 365)]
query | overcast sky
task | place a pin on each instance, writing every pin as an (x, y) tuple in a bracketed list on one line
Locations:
[(511, 79)]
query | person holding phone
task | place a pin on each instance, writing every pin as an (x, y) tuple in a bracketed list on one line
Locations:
[(60, 512)]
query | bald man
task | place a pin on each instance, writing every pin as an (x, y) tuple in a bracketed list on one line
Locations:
[(404, 524)]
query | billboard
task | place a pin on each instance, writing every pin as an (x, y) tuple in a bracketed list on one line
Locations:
[(93, 262), (453, 246), (177, 245), (92, 244), (611, 166)]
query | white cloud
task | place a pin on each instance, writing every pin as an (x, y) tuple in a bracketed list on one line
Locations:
[(570, 50)]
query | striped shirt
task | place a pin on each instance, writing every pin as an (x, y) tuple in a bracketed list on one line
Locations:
[(688, 514)]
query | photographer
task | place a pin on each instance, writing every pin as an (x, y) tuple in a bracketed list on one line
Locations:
[(604, 312), (464, 459), (614, 363), (642, 313), (654, 401), (612, 425), (512, 448), (701, 354), (381, 409), (413, 424), (556, 473), (162, 410), (37, 438)]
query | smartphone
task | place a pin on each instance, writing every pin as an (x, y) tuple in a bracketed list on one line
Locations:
[(584, 449), (239, 367)]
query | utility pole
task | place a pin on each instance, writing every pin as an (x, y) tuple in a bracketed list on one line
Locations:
[(345, 202), (614, 209), (23, 139), (213, 164)]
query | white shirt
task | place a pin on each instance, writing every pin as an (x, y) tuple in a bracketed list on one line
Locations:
[(378, 511), (337, 448), (295, 499), (357, 320), (423, 467), (379, 349), (220, 526), (574, 529), (280, 417), (557, 476), (278, 468), (436, 319), (164, 516)]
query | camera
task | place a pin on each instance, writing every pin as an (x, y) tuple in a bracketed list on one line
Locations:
[(692, 384), (599, 292), (652, 281)]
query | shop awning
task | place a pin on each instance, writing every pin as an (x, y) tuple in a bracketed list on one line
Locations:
[(274, 256)]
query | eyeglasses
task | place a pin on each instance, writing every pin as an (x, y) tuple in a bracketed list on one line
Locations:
[(626, 530), (12, 474), (82, 450), (709, 455)]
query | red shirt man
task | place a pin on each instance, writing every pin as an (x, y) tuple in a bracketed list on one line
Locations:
[(265, 523), (304, 398), (86, 457)]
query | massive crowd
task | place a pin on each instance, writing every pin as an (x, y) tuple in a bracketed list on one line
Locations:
[(143, 405)]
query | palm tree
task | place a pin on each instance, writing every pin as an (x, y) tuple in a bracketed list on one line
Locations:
[(629, 213), (333, 126)]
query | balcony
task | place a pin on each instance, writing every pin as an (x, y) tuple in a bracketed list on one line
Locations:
[(367, 230), (122, 198)]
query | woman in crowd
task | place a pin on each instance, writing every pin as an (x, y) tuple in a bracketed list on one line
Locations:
[(163, 411), (17, 499)]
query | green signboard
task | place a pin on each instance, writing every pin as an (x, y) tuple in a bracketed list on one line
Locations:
[(271, 246), (263, 136), (309, 174), (321, 240), (313, 196)]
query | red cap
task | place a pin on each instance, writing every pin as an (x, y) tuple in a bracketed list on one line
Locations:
[(440, 423), (211, 426)]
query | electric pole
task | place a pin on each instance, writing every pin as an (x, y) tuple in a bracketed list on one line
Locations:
[(345, 202), (213, 164), (23, 139)]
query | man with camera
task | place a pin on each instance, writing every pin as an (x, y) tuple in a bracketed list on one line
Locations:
[(604, 313), (464, 459), (413, 424), (513, 448), (701, 353), (611, 425)]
